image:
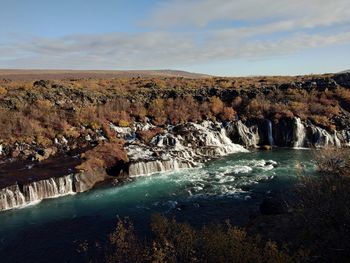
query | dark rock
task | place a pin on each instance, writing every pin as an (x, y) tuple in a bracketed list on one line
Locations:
[(41, 83), (343, 80)]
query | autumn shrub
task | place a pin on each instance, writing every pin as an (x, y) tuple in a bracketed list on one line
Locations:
[(146, 136), (62, 107), (108, 132), (343, 94), (3, 91), (316, 108), (181, 110), (298, 109), (322, 121), (124, 245), (204, 111), (179, 242), (138, 111), (86, 115), (103, 156), (157, 112), (322, 207), (228, 114), (237, 102), (258, 108), (216, 105), (193, 109)]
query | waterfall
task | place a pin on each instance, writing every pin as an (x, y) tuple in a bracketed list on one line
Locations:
[(299, 133), (184, 146), (11, 197), (269, 133), (156, 166), (217, 138), (321, 138), (14, 197), (49, 188), (247, 136)]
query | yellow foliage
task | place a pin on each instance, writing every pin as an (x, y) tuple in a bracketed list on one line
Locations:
[(3, 91), (123, 123)]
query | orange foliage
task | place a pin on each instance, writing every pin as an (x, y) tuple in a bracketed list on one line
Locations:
[(105, 155), (146, 136)]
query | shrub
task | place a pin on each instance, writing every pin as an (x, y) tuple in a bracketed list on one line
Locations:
[(157, 112), (179, 242), (103, 156), (123, 123), (216, 105), (322, 207), (258, 108), (237, 101), (228, 114), (146, 136), (3, 91)]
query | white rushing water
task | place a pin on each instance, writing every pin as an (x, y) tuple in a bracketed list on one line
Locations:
[(249, 136), (14, 197), (171, 152), (322, 138), (299, 134), (150, 167)]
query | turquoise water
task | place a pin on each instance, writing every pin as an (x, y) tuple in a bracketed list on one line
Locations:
[(227, 188)]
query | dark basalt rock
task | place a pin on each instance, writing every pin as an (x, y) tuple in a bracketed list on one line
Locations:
[(42, 83), (343, 80)]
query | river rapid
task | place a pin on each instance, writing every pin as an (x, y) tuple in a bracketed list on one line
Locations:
[(230, 187)]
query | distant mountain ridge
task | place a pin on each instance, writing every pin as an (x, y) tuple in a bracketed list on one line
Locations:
[(344, 71), (34, 74)]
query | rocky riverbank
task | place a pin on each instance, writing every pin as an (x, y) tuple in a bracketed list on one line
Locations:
[(174, 147)]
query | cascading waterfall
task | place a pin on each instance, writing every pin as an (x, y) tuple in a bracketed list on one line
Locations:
[(217, 139), (173, 151), (269, 133), (49, 188), (321, 138), (247, 136), (299, 133), (150, 167), (13, 196)]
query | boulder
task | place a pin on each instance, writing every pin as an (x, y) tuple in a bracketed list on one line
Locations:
[(265, 147)]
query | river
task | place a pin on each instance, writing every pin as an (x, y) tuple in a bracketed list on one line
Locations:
[(231, 187)]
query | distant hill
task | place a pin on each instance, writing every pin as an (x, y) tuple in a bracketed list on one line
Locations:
[(22, 74), (345, 71)]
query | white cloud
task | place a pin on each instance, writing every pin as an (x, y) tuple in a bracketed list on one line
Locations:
[(270, 28), (308, 13), (154, 50)]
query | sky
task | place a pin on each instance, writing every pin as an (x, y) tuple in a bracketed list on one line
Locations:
[(219, 37)]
